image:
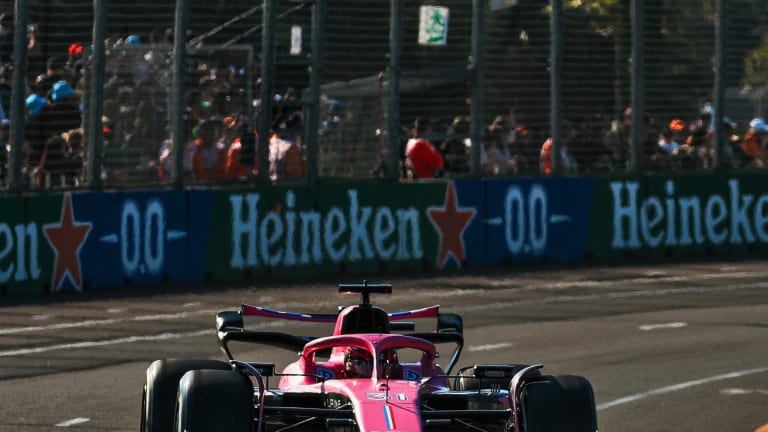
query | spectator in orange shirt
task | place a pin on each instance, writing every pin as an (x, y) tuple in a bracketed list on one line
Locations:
[(422, 159), (209, 156), (234, 169), (755, 142), (565, 160), (234, 128)]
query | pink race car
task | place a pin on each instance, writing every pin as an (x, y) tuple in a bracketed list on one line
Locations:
[(374, 374)]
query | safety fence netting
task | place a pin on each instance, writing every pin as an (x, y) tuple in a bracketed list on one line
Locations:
[(453, 69)]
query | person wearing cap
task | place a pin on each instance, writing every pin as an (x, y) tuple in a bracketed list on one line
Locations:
[(47, 117), (755, 141), (35, 104), (422, 159)]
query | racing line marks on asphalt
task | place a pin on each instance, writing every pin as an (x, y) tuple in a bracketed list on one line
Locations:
[(614, 295), (677, 387), (128, 339), (90, 344), (498, 305), (672, 325), (73, 422), (648, 279), (102, 322)]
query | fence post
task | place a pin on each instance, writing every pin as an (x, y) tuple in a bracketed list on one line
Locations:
[(477, 68), (555, 83), (18, 106), (93, 123), (265, 106), (721, 33), (638, 105), (393, 112), (178, 102), (315, 78)]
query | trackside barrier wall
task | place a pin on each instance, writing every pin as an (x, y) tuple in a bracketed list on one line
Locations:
[(70, 241)]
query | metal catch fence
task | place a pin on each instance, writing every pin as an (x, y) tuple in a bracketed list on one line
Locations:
[(307, 91)]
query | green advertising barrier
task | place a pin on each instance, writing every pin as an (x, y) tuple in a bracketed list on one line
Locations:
[(423, 197), (601, 222), (26, 257), (689, 215), (330, 229), (19, 262), (752, 213), (227, 260), (361, 230)]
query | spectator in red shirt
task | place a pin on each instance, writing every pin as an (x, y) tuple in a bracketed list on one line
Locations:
[(422, 159)]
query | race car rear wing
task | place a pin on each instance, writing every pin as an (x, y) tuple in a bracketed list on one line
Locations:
[(251, 310), (230, 327)]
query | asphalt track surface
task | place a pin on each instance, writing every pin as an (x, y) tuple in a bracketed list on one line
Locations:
[(678, 346)]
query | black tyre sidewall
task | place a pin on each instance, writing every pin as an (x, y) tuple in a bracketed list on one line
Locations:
[(214, 400), (563, 403), (159, 395)]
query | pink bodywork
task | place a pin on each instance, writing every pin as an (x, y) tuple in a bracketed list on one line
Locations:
[(380, 404)]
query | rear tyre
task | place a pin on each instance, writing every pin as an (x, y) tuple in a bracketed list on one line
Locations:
[(159, 396), (564, 403), (214, 400)]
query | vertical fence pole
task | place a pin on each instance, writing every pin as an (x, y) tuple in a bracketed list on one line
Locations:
[(477, 68), (95, 137), (638, 104), (555, 82), (393, 109), (721, 33), (316, 76), (18, 107), (178, 102), (267, 66)]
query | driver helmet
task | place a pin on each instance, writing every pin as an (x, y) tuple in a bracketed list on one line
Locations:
[(358, 362)]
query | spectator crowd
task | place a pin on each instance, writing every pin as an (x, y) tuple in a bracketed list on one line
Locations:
[(135, 121), (137, 145), (589, 145)]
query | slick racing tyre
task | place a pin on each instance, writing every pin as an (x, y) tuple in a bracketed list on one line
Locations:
[(159, 397), (214, 400), (563, 403)]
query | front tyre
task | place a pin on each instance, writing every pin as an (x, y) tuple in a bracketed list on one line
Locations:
[(563, 403), (159, 396), (214, 400)]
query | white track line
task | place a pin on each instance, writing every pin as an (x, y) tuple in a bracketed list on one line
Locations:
[(677, 387), (489, 347), (671, 325), (73, 422)]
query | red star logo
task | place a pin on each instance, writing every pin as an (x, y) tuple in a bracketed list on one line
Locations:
[(66, 239), (450, 222)]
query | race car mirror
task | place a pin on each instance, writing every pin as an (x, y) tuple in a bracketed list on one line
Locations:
[(229, 321)]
